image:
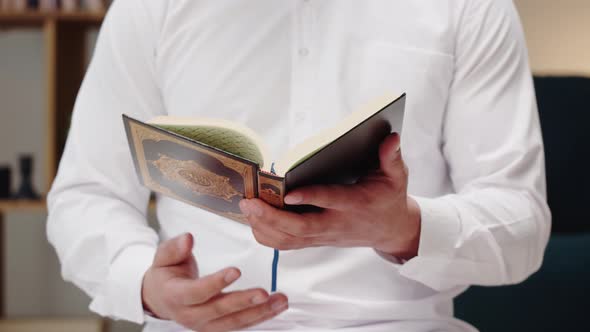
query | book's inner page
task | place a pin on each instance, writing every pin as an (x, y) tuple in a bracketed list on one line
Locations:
[(221, 134), (313, 144)]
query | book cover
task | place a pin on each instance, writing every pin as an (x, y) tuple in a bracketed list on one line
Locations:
[(190, 171), (176, 162)]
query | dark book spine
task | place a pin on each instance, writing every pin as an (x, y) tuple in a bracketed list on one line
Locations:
[(271, 189)]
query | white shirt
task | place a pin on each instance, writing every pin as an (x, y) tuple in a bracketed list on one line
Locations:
[(288, 69)]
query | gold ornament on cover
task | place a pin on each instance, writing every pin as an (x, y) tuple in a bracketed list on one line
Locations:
[(196, 178)]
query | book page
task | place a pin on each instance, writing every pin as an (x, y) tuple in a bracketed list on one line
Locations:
[(313, 144), (220, 134)]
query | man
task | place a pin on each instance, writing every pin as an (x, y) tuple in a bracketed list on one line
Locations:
[(464, 205)]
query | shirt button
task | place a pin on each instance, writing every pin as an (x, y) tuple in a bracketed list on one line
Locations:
[(303, 51)]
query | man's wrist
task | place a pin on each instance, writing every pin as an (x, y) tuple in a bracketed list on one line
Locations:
[(405, 244)]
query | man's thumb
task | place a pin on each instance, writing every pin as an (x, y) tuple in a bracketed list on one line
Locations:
[(390, 157), (174, 251)]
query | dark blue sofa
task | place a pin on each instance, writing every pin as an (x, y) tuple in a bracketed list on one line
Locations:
[(557, 297)]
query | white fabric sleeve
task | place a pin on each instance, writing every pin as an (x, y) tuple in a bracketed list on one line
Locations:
[(495, 227), (97, 207)]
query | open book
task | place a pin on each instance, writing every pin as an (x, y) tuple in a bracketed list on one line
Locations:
[(213, 163)]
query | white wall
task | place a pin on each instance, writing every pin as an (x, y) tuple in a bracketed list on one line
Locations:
[(558, 35)]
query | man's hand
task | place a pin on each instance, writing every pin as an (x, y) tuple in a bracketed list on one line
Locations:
[(172, 289), (374, 212)]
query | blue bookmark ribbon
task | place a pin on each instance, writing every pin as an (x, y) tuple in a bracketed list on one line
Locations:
[(275, 258), (275, 265)]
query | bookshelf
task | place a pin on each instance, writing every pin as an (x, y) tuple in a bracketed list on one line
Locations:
[(38, 19), (64, 36), (8, 206), (65, 39)]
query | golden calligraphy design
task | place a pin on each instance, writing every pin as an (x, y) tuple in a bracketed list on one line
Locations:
[(193, 176)]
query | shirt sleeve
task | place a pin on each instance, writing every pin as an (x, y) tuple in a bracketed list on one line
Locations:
[(493, 230), (97, 207)]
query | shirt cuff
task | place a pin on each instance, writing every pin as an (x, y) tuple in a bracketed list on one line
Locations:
[(440, 231), (120, 296), (440, 227)]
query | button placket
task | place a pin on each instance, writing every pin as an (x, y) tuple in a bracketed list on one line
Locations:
[(302, 64), (307, 65)]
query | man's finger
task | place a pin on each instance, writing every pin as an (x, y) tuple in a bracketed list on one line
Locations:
[(249, 317), (337, 197), (201, 290), (294, 224), (271, 238), (174, 251), (262, 319), (229, 303), (390, 157)]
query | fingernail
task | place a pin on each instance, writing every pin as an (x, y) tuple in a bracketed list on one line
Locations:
[(399, 144), (250, 208), (182, 241), (259, 299), (231, 276), (294, 198), (278, 305), (244, 206)]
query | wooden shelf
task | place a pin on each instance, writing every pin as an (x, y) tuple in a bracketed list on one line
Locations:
[(36, 205), (65, 39), (38, 18), (22, 205)]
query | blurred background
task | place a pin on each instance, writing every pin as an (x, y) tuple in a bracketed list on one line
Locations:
[(43, 56)]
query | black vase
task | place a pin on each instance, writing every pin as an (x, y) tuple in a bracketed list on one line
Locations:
[(26, 191), (5, 182)]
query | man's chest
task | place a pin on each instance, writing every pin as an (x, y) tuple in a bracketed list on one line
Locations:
[(291, 68)]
